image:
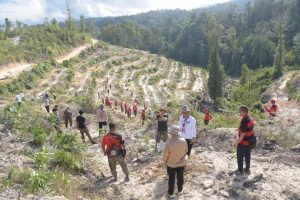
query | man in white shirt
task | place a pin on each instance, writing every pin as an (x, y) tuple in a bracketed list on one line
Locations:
[(188, 127), (19, 99), (103, 118)]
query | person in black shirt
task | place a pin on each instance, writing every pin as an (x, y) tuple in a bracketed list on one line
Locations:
[(162, 126), (82, 127)]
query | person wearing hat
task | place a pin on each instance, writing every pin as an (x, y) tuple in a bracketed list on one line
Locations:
[(174, 156), (162, 126), (188, 127), (103, 118), (273, 109)]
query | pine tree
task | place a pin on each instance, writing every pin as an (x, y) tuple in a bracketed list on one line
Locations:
[(245, 73), (279, 56), (216, 72)]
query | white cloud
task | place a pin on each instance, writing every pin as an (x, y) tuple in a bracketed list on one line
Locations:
[(34, 11)]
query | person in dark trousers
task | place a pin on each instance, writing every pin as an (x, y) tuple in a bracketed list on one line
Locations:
[(188, 127), (47, 102), (113, 147), (135, 109), (243, 145), (68, 117), (162, 126), (174, 156), (18, 99), (82, 127)]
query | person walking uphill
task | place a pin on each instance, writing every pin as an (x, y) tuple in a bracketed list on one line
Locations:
[(207, 117), (188, 127), (113, 147), (174, 156), (103, 118), (47, 102), (57, 124), (162, 126), (245, 141), (19, 99), (68, 117), (82, 127)]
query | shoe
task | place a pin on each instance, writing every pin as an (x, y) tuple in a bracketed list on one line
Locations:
[(93, 142), (238, 173), (180, 192), (127, 179), (247, 171), (115, 179), (171, 195)]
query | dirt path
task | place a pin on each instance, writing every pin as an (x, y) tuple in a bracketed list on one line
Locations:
[(13, 70)]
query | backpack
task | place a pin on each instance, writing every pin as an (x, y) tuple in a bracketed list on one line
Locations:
[(252, 142)]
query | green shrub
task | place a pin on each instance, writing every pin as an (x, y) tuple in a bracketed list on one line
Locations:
[(69, 142), (68, 161), (41, 158), (39, 136), (86, 103), (18, 176), (39, 181)]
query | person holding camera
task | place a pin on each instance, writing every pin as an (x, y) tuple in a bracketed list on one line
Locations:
[(113, 147)]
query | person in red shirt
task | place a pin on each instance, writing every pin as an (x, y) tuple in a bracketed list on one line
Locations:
[(243, 144), (129, 112), (106, 101), (134, 108), (207, 116), (273, 109), (110, 104), (113, 147)]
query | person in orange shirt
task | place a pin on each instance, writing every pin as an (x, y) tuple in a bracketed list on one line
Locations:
[(273, 109), (207, 116)]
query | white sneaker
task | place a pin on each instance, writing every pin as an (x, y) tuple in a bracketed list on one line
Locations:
[(171, 195), (180, 192)]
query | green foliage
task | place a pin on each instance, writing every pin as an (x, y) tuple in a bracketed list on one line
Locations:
[(18, 176), (245, 75), (67, 161), (279, 56), (154, 79), (39, 181), (86, 103), (41, 158), (39, 136), (69, 142)]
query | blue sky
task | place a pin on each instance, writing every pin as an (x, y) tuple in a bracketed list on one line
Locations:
[(34, 11)]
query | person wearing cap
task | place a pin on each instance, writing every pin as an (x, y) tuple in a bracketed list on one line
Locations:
[(103, 118), (174, 156), (273, 109), (188, 127), (162, 126)]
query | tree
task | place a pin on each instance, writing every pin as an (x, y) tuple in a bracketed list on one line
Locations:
[(82, 26), (245, 74), (279, 56), (91, 28), (216, 72)]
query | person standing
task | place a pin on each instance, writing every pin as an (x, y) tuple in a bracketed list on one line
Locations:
[(162, 126), (243, 146), (47, 102), (135, 109), (18, 99), (207, 116), (68, 117), (273, 109), (103, 118), (113, 147), (122, 107), (126, 107), (174, 156), (129, 112), (22, 96), (188, 127), (82, 127), (143, 116), (57, 122)]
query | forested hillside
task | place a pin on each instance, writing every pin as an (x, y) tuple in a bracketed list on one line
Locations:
[(19, 42), (249, 33)]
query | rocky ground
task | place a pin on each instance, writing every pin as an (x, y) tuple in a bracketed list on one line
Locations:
[(275, 172)]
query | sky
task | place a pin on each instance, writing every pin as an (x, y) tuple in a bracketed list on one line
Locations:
[(34, 11)]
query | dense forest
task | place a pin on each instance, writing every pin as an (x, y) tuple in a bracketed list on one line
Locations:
[(250, 32), (20, 42)]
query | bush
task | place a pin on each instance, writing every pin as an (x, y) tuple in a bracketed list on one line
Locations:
[(39, 136), (18, 176), (69, 142), (68, 161), (38, 181), (41, 159), (86, 103)]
